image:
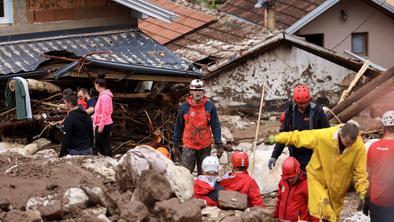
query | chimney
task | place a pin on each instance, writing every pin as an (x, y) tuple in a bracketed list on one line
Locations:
[(269, 12)]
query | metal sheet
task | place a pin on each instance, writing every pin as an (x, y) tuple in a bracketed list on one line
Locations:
[(127, 47)]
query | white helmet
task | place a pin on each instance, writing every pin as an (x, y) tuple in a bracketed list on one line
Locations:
[(210, 164), (388, 118), (197, 84)]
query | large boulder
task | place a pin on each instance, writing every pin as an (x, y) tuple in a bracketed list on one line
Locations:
[(97, 197), (134, 211), (173, 210), (135, 161), (232, 200), (51, 206), (257, 214), (266, 179), (76, 198), (151, 188), (22, 216)]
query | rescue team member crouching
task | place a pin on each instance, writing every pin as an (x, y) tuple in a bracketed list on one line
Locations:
[(380, 165), (239, 180), (338, 157), (197, 120), (292, 198), (78, 130), (206, 186)]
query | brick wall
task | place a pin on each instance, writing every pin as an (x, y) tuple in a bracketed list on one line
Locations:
[(41, 11)]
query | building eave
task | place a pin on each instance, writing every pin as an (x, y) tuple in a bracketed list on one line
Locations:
[(149, 9)]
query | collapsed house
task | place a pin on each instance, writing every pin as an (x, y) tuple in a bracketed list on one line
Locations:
[(238, 57), (68, 44)]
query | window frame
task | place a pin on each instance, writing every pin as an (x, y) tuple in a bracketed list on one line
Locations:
[(7, 19), (365, 34)]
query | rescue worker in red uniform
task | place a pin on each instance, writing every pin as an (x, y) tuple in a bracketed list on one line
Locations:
[(239, 180), (196, 122), (380, 165), (292, 198), (206, 186)]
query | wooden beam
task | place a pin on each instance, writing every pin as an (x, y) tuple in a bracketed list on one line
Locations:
[(361, 92), (117, 75), (131, 95), (360, 73)]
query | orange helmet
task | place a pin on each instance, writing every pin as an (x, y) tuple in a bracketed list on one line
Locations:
[(301, 94), (240, 159), (164, 151), (290, 167)]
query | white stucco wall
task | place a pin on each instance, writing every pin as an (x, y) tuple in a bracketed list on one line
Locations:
[(280, 70)]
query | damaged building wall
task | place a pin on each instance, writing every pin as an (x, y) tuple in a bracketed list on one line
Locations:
[(50, 15), (280, 69)]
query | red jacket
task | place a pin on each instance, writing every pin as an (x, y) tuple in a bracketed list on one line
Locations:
[(197, 132), (243, 183), (201, 190), (292, 201), (380, 165)]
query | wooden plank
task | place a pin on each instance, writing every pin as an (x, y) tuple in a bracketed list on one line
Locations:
[(360, 73), (131, 95)]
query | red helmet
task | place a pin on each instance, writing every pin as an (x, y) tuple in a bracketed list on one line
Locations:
[(282, 117), (290, 167), (301, 94), (240, 159)]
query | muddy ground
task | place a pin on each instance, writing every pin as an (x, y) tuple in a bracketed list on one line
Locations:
[(22, 178)]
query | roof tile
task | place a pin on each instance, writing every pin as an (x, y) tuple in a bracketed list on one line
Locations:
[(189, 20)]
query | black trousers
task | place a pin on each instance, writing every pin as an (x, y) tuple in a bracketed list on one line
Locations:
[(191, 156), (381, 213), (102, 140)]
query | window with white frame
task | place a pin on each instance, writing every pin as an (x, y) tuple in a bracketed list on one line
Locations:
[(5, 11)]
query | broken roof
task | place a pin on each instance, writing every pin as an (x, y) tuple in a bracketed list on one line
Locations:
[(287, 11), (120, 47), (189, 20), (218, 41)]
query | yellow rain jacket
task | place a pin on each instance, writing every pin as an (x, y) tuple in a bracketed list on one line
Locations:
[(329, 172)]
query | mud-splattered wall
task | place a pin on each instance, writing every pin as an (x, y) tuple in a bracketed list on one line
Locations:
[(280, 70)]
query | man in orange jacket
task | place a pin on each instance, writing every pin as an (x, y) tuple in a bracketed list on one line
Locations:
[(292, 198), (239, 180)]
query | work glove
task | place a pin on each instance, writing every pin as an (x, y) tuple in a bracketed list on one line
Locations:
[(270, 140), (219, 150), (271, 162), (176, 152)]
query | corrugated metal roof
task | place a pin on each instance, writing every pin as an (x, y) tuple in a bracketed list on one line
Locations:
[(127, 47), (149, 9)]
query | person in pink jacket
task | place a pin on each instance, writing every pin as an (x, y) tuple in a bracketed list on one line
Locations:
[(102, 117)]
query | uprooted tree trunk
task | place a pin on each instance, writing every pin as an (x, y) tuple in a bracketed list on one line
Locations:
[(360, 93), (36, 85), (366, 101)]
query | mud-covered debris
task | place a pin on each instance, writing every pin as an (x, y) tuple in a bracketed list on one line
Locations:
[(5, 204), (232, 200), (51, 207), (211, 212), (97, 197), (76, 198), (152, 188), (104, 166), (257, 214), (134, 211), (22, 216), (173, 210)]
